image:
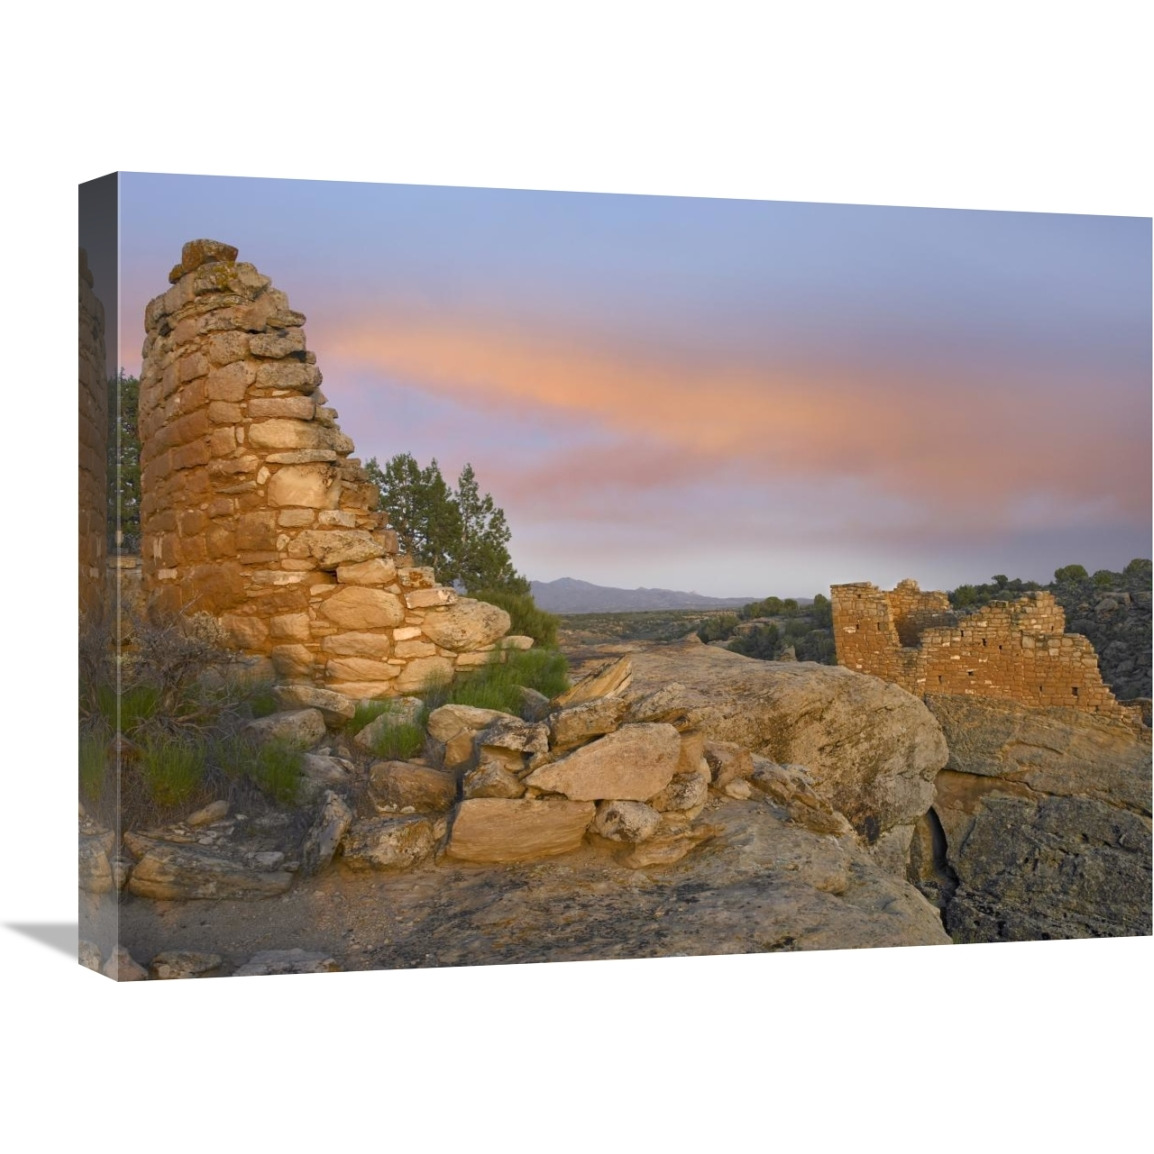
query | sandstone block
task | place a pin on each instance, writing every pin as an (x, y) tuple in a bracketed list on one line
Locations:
[(376, 646), (467, 625), (415, 649), (449, 721), (272, 345), (360, 669), (687, 792), (505, 830), (633, 764), (511, 733), (577, 724), (391, 843), (245, 632), (292, 375), (423, 672), (301, 727), (626, 821), (376, 571), (334, 707), (310, 486), (393, 785), (201, 252), (291, 408), (333, 548), (491, 779), (230, 383), (429, 598), (285, 434)]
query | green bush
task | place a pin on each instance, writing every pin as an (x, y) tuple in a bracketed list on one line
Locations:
[(498, 684), (274, 767), (399, 741), (277, 768), (173, 767), (93, 763), (527, 619)]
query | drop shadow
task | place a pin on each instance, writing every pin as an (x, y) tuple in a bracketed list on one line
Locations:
[(62, 936)]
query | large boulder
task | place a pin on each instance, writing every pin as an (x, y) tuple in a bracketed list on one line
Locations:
[(872, 749), (1043, 823), (467, 625)]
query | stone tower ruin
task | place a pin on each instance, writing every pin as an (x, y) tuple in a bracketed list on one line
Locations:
[(1015, 650), (253, 509)]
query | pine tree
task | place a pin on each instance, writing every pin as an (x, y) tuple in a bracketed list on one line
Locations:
[(462, 533)]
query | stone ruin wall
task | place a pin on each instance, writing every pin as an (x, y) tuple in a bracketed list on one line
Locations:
[(254, 511), (93, 422), (1015, 650)]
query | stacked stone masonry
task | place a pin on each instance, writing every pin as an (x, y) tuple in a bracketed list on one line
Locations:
[(254, 511), (1015, 650), (93, 421)]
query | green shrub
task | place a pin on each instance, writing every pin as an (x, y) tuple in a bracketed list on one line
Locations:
[(366, 711), (400, 741), (498, 684), (93, 764), (527, 619), (277, 769), (173, 767)]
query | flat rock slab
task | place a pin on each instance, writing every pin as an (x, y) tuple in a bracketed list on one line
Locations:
[(173, 873), (491, 829), (614, 677), (633, 764)]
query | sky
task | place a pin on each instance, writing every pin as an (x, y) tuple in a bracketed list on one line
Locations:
[(738, 398)]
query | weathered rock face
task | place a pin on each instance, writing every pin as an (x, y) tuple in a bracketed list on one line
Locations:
[(1043, 824), (872, 749), (254, 511)]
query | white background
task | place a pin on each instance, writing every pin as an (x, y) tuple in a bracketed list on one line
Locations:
[(984, 105)]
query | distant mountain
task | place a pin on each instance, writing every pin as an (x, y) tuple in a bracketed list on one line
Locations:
[(567, 595)]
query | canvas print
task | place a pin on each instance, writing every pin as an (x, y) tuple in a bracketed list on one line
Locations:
[(474, 576)]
